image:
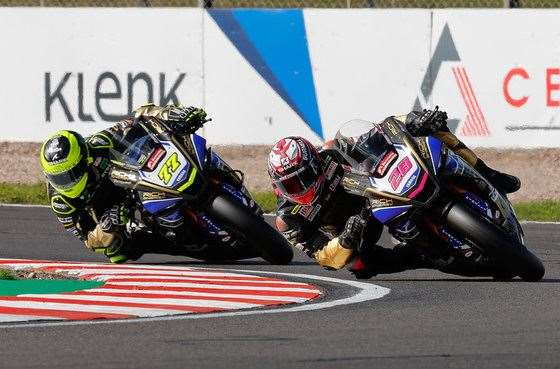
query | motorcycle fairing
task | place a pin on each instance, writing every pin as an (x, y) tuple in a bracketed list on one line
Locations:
[(435, 148), (213, 229), (237, 194), (174, 219), (159, 205), (478, 204), (199, 144), (456, 165), (401, 176), (173, 171), (385, 214)]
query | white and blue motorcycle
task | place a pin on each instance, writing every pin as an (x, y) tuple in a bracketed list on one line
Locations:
[(429, 196), (176, 179)]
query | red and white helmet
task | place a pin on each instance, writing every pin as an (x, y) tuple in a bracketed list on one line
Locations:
[(294, 165)]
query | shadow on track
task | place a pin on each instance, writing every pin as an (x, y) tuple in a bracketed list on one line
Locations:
[(476, 280), (220, 263)]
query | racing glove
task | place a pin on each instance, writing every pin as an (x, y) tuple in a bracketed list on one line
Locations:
[(181, 119), (186, 119), (351, 237), (333, 256), (115, 218), (426, 123), (111, 244)]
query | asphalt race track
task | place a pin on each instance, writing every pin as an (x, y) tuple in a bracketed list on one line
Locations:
[(428, 320)]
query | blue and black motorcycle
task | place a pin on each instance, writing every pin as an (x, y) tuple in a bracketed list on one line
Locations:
[(184, 191), (429, 196)]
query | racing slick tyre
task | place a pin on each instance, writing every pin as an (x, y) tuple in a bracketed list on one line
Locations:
[(257, 232), (489, 237)]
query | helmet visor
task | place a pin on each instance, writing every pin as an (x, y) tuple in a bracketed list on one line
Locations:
[(68, 179), (299, 182)]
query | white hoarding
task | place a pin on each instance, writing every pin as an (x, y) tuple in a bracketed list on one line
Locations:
[(264, 74), (244, 107), (504, 89), (83, 69), (378, 78)]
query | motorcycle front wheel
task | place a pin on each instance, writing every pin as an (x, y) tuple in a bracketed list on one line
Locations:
[(260, 235), (514, 256)]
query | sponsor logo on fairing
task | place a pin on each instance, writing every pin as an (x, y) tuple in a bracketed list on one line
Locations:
[(411, 181), (155, 158), (397, 175), (386, 162)]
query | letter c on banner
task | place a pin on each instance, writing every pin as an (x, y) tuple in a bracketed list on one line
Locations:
[(513, 101)]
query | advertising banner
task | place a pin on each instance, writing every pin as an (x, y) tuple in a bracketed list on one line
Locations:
[(84, 69), (499, 82), (264, 74)]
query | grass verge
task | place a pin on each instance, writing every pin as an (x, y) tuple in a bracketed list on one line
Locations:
[(5, 274), (19, 193), (36, 194), (548, 211)]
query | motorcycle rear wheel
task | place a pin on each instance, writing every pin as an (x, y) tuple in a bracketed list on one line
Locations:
[(273, 247), (512, 254)]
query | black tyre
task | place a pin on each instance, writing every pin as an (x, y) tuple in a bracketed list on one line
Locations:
[(258, 233), (512, 254)]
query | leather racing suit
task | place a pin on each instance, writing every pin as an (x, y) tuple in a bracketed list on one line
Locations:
[(92, 216), (316, 229)]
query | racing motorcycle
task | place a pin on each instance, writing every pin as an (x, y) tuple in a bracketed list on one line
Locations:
[(429, 196), (172, 177)]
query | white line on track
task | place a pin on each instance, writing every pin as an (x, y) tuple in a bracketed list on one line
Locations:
[(536, 222), (367, 292), (24, 205)]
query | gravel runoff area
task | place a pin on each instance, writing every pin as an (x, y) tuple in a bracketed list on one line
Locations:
[(540, 177), (38, 274)]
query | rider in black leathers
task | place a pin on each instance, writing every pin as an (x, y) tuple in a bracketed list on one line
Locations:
[(96, 211), (320, 218)]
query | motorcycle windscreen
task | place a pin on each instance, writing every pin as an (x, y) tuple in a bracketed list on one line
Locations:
[(135, 147), (362, 144)]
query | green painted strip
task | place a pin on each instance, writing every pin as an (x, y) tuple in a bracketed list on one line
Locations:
[(20, 287)]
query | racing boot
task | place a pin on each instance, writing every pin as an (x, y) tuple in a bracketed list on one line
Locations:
[(361, 270), (373, 260), (505, 183)]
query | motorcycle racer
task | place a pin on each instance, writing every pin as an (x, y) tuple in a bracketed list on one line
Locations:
[(84, 199), (319, 217)]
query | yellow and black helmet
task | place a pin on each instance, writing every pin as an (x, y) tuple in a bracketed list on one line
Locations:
[(65, 159)]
